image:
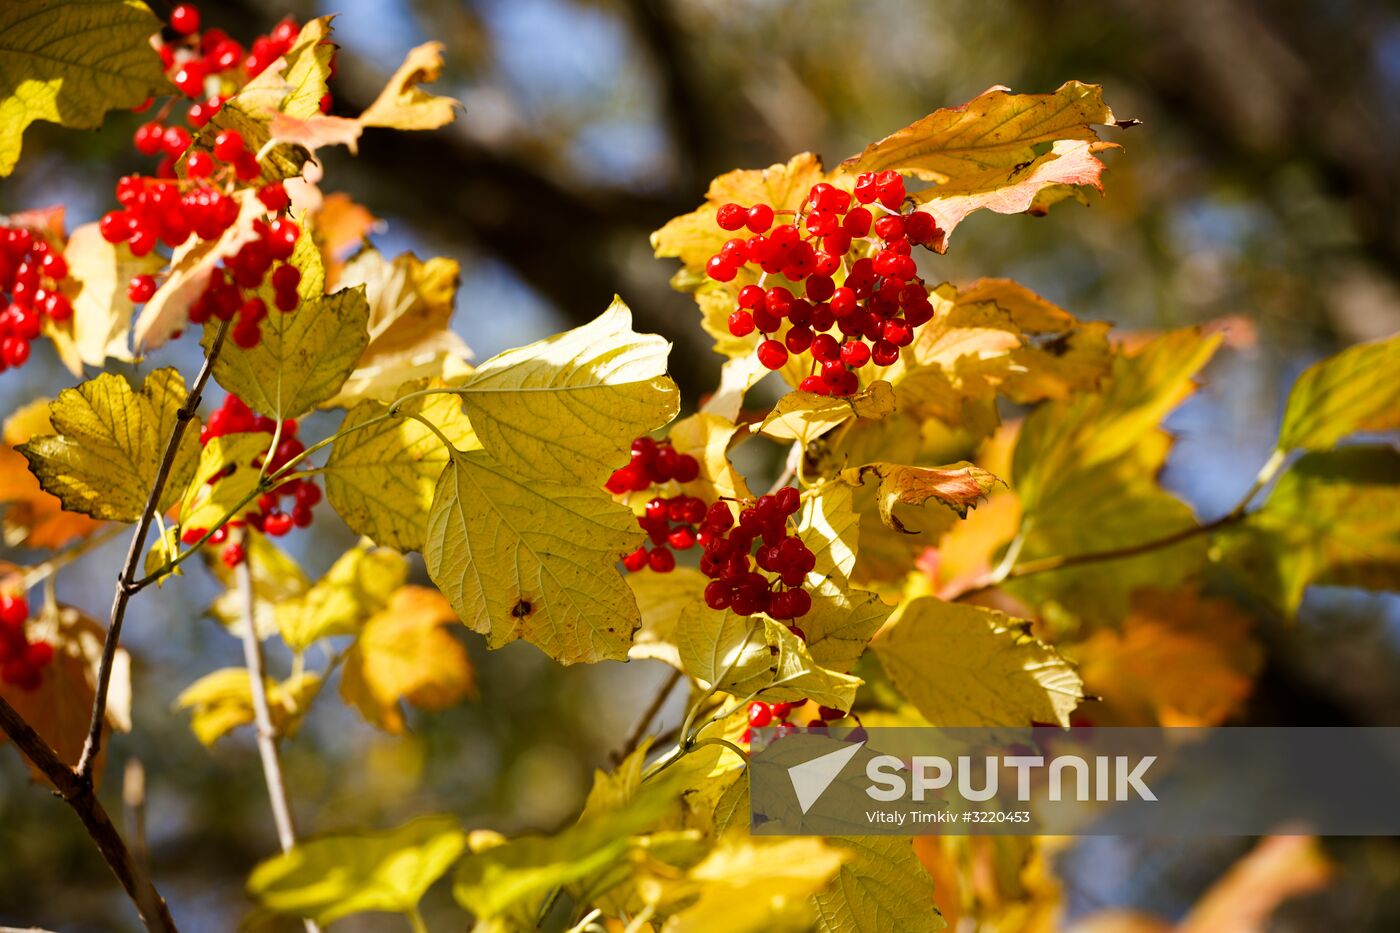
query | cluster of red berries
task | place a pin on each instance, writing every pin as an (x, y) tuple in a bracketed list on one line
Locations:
[(738, 553), (21, 661), (268, 515), (735, 555), (880, 300), (762, 715), (167, 209), (30, 273)]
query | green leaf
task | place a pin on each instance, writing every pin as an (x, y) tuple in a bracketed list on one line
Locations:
[(568, 407), (69, 62), (1333, 519), (882, 888), (959, 486), (511, 880), (109, 445), (963, 665), (331, 877), (382, 471), (358, 585), (304, 356), (532, 559), (1356, 390)]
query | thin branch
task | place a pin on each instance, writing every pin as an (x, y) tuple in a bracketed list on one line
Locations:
[(126, 582), (643, 724), (262, 718), (79, 795)]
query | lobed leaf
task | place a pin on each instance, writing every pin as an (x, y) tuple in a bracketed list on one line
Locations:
[(109, 445), (568, 407), (71, 61), (359, 585), (403, 104), (1356, 390), (33, 518), (881, 888), (959, 486), (532, 559), (223, 700), (963, 665), (804, 417)]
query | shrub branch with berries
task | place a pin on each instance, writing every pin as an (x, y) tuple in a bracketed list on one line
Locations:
[(556, 497)]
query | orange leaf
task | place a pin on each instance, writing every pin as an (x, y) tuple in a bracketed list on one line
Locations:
[(34, 518)]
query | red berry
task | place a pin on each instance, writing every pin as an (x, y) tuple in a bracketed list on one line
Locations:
[(855, 353), (661, 560), (759, 218), (277, 523), (199, 165), (228, 145), (184, 19), (636, 560), (54, 265), (149, 138), (286, 278), (141, 288), (760, 714), (686, 470), (274, 196), (233, 554), (720, 269), (13, 610), (282, 239), (789, 500), (731, 216), (14, 351), (772, 354)]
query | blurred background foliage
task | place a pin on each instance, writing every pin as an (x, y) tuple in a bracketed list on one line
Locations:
[(1260, 188)]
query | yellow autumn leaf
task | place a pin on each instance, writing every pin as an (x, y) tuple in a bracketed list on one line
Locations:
[(1356, 390), (804, 416), (1179, 659), (881, 887), (304, 357), (568, 407), (33, 518), (223, 700), (295, 84), (278, 581), (959, 486), (752, 885), (405, 652), (382, 471), (101, 320), (737, 376), (661, 599), (359, 584), (226, 476), (60, 710), (341, 225), (71, 61), (109, 444), (191, 264), (695, 237), (533, 559), (403, 104), (963, 665), (708, 438), (410, 337)]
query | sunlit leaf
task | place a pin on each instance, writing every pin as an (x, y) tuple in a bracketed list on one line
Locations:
[(532, 559), (752, 885), (382, 470), (403, 104), (882, 888), (223, 700), (568, 407), (278, 582), (71, 61), (1356, 390), (963, 665), (109, 444), (802, 416), (661, 598), (959, 486), (225, 481), (330, 877), (101, 320), (708, 438)]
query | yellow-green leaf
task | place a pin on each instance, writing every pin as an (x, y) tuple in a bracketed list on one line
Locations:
[(403, 105), (223, 701), (295, 84), (804, 416), (750, 885), (963, 665), (795, 675), (708, 438), (410, 310), (406, 653), (1333, 519), (330, 877), (882, 888), (69, 62), (102, 312), (661, 598), (959, 486), (532, 559), (224, 484), (304, 356), (359, 584), (568, 407), (721, 648), (278, 580), (382, 471), (109, 445), (1356, 390)]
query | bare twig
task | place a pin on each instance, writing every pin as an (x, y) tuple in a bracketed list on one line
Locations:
[(262, 718), (640, 730), (79, 795), (126, 582)]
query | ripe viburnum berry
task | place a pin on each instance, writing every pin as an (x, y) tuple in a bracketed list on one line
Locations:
[(847, 268)]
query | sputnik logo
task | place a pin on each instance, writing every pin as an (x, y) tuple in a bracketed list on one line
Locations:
[(811, 778)]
